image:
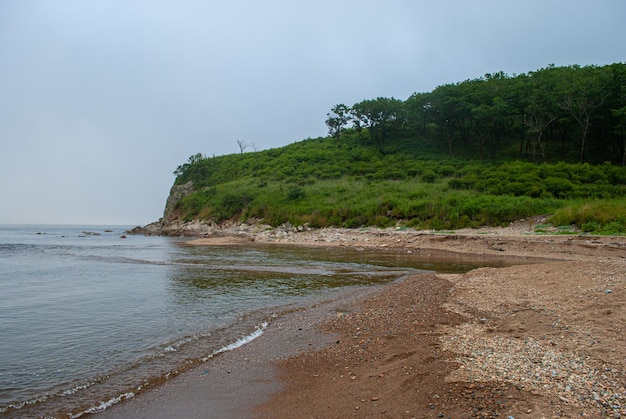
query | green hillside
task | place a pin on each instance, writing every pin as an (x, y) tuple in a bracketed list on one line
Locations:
[(482, 152)]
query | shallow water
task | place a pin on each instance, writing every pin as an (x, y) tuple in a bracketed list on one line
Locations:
[(88, 318)]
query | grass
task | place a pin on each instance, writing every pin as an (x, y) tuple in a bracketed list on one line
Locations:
[(606, 217), (325, 182)]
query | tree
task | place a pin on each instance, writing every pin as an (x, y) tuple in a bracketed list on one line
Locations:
[(417, 107), (192, 161), (491, 113), (382, 116), (617, 105), (582, 94), (242, 146), (338, 118), (539, 108), (620, 129), (450, 111)]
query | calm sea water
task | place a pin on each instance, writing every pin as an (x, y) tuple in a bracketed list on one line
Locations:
[(88, 318)]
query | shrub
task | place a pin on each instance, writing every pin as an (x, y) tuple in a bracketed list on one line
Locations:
[(294, 193), (446, 170), (463, 183), (558, 187), (415, 171), (429, 176)]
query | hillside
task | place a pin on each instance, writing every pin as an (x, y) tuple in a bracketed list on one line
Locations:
[(483, 152)]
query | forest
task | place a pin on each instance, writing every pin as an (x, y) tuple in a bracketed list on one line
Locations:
[(569, 113), (487, 151)]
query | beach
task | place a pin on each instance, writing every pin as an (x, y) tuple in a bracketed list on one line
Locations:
[(540, 338)]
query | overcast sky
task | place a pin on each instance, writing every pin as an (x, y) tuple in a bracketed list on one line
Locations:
[(100, 100)]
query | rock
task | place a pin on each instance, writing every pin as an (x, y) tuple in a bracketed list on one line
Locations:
[(153, 229), (177, 192)]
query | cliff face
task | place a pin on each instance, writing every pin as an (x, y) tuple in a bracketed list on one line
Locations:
[(170, 225), (177, 193)]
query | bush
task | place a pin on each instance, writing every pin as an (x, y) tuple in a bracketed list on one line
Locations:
[(558, 187), (464, 183), (295, 193), (446, 170), (429, 176)]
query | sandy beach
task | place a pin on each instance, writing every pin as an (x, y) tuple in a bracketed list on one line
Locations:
[(542, 338)]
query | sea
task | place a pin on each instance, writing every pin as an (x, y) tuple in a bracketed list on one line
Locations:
[(91, 315)]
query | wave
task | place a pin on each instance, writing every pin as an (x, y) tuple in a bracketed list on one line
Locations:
[(105, 405), (241, 341)]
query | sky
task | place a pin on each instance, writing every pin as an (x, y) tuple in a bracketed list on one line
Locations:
[(101, 100)]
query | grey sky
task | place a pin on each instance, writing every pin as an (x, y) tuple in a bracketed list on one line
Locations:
[(100, 100)]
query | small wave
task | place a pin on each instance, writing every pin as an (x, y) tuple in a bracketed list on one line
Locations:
[(175, 346), (127, 395), (105, 405), (77, 388), (239, 342)]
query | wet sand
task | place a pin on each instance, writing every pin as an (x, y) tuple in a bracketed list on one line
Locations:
[(235, 383)]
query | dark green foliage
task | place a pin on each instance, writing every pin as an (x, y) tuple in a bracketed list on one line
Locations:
[(558, 187), (446, 170), (429, 176), (295, 193), (574, 113)]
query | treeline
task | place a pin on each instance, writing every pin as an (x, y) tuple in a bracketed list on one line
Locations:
[(572, 114)]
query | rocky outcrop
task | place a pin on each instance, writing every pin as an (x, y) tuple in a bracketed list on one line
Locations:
[(170, 225), (177, 193)]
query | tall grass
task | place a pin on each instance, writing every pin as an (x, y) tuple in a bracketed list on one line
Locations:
[(326, 182), (598, 216)]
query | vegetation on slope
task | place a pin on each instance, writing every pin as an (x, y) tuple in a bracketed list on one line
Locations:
[(482, 152)]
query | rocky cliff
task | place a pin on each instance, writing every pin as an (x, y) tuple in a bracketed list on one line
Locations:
[(170, 224)]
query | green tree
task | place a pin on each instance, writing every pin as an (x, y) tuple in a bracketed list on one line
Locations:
[(450, 111), (338, 118), (582, 93), (192, 161), (539, 109), (417, 107), (491, 112), (383, 117)]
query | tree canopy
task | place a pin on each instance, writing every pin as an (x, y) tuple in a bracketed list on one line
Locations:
[(569, 113)]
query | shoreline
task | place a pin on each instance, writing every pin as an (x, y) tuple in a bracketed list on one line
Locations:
[(455, 345), (234, 383)]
